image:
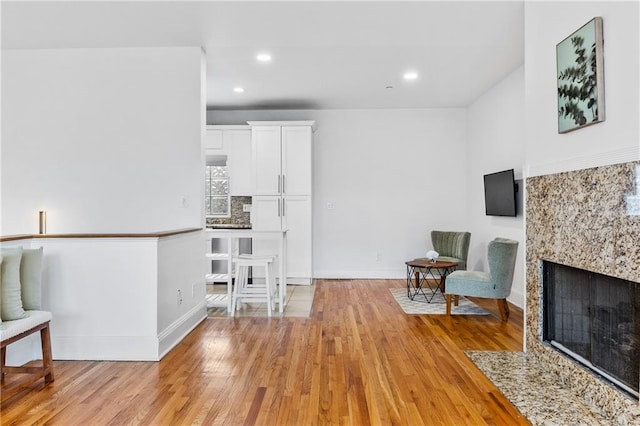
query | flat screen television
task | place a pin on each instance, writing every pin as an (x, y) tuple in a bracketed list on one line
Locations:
[(500, 194)]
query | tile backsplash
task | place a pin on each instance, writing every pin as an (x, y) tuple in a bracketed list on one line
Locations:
[(238, 217)]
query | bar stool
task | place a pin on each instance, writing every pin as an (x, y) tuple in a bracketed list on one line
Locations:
[(243, 291)]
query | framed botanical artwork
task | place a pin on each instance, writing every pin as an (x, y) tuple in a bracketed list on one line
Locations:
[(580, 65)]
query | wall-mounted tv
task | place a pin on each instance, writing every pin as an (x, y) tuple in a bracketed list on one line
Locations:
[(500, 194)]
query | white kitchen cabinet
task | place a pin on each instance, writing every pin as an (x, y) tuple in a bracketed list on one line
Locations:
[(296, 160), (235, 143), (297, 219), (281, 157), (266, 157), (266, 213), (282, 196), (213, 140), (292, 213), (239, 161)]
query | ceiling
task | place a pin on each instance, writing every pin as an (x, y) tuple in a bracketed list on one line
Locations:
[(325, 55)]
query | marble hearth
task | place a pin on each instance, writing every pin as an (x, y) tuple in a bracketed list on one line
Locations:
[(587, 219)]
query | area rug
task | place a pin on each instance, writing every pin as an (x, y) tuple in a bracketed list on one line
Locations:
[(437, 305)]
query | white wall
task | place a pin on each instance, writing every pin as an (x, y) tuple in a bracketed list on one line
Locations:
[(104, 140), (546, 24), (496, 142), (392, 175)]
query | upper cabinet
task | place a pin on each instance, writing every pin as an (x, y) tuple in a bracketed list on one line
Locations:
[(266, 158), (213, 139), (235, 143), (239, 161), (296, 160), (281, 156)]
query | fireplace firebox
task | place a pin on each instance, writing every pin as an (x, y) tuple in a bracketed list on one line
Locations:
[(594, 319)]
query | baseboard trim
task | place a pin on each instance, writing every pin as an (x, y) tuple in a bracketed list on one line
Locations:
[(127, 348), (298, 281), (390, 274), (105, 348), (180, 328)]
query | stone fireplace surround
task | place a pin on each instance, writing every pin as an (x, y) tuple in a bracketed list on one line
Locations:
[(581, 219)]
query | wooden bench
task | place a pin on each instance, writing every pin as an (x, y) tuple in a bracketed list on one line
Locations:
[(12, 331)]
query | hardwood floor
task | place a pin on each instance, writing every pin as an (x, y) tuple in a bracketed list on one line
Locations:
[(357, 360)]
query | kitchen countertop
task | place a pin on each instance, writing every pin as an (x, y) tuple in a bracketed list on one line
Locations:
[(229, 226)]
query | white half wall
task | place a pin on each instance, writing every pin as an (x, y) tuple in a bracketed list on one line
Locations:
[(129, 299), (612, 141), (104, 140), (392, 176), (181, 287), (495, 143), (103, 297)]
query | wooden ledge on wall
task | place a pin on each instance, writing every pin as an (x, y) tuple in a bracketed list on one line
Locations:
[(160, 234)]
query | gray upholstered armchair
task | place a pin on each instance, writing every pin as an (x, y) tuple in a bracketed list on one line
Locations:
[(452, 246), (495, 284)]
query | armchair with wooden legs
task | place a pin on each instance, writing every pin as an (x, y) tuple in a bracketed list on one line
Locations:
[(495, 284)]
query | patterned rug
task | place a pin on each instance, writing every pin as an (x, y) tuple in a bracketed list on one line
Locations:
[(437, 305)]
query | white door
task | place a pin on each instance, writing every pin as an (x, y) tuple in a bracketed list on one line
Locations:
[(266, 213), (296, 160), (266, 158), (297, 221)]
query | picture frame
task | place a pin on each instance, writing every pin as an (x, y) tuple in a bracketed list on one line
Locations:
[(580, 77)]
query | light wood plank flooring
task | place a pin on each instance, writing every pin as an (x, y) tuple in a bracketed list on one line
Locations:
[(357, 360)]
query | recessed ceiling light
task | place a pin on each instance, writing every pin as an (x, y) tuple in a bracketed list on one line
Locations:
[(263, 57), (410, 75), (238, 89)]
